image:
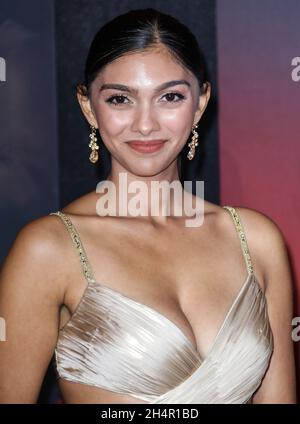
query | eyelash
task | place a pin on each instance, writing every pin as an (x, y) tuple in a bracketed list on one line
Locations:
[(110, 99)]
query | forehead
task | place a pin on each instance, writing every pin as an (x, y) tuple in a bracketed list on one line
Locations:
[(145, 68)]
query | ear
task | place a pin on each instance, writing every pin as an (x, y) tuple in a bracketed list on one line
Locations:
[(86, 106), (203, 101)]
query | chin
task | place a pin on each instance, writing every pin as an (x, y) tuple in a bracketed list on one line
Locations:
[(147, 167), (149, 172)]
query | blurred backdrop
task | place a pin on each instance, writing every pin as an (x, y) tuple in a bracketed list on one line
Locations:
[(249, 150)]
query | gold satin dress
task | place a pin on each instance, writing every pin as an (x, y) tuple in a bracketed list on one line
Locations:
[(119, 344)]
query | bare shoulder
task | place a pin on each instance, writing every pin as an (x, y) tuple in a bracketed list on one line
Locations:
[(261, 229), (31, 293), (267, 242), (40, 237), (37, 251)]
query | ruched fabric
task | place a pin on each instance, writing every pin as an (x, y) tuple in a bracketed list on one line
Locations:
[(117, 343)]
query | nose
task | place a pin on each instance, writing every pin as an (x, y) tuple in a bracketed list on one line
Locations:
[(145, 120)]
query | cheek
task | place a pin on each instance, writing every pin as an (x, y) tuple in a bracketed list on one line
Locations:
[(112, 122), (179, 120)]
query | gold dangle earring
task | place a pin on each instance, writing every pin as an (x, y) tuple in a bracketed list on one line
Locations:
[(194, 143), (93, 145)]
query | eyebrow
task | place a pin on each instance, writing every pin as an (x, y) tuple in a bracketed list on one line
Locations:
[(135, 91)]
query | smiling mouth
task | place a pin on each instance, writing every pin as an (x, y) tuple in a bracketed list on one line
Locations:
[(157, 141), (146, 146)]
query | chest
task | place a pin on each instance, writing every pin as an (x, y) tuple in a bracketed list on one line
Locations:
[(190, 284)]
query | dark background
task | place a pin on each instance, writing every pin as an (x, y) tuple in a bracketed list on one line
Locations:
[(76, 24), (44, 138), (248, 153)]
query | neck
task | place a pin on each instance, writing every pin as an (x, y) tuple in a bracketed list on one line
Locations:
[(154, 197)]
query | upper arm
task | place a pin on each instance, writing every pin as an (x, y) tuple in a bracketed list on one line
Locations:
[(279, 383), (30, 295)]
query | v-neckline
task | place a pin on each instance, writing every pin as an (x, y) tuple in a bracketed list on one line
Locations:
[(90, 278), (164, 317)]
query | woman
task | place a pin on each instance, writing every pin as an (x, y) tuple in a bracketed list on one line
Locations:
[(145, 309)]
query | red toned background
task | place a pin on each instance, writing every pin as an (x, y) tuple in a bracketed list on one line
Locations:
[(250, 139), (259, 125)]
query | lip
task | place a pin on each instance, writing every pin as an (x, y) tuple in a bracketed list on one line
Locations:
[(148, 146)]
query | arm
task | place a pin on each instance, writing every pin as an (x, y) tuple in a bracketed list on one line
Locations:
[(279, 383), (31, 292)]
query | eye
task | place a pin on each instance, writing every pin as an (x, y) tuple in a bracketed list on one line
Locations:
[(119, 100), (170, 97)]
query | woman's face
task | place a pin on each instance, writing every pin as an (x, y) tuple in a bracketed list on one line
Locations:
[(130, 100)]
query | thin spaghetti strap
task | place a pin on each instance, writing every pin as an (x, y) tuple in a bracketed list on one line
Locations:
[(239, 226), (87, 269)]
